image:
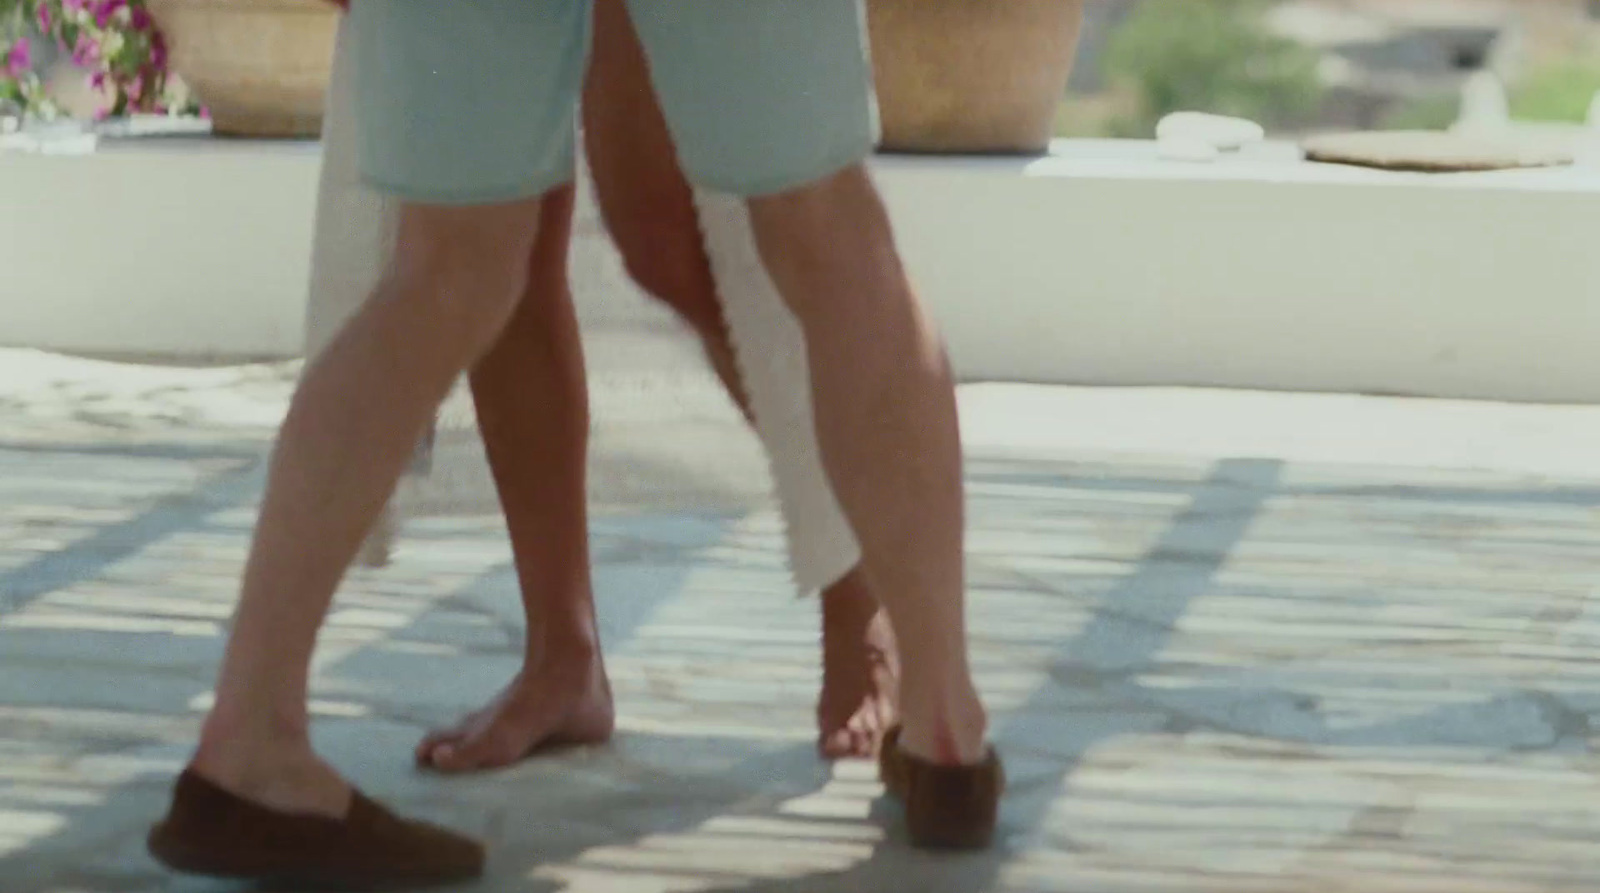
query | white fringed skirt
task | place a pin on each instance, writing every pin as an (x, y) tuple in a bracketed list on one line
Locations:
[(354, 236)]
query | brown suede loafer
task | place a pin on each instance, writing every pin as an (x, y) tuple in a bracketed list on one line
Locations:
[(212, 832), (947, 807)]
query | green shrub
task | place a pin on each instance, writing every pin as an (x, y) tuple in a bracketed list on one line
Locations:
[(1431, 113), (1214, 56), (1557, 91)]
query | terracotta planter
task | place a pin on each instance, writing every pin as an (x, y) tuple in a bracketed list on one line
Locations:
[(260, 66), (972, 76)]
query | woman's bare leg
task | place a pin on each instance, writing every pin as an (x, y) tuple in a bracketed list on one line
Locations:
[(533, 410), (649, 209)]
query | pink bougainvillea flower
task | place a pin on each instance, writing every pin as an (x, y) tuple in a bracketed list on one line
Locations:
[(117, 43), (87, 52), (104, 10), (19, 59)]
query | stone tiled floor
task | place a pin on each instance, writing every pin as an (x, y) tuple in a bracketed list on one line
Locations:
[(1257, 669)]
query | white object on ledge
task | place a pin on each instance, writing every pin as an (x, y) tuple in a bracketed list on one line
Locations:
[(75, 136), (154, 125), (1588, 153), (1485, 107), (1220, 132), (64, 137)]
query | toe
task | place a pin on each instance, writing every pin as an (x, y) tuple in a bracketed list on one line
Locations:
[(479, 753), (838, 744), (428, 747), (863, 739), (856, 739), (456, 757)]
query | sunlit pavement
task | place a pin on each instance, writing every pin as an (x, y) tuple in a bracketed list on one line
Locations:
[(1231, 642)]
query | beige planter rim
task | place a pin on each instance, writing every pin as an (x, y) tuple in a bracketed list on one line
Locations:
[(972, 76), (261, 67)]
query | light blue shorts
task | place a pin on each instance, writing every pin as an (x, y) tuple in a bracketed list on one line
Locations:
[(474, 101)]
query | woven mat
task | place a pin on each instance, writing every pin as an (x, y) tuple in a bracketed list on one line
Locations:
[(1433, 151)]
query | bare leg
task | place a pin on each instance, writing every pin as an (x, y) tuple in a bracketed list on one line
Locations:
[(649, 209), (533, 410), (860, 671), (886, 413), (354, 419)]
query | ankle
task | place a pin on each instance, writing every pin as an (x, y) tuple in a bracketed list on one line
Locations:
[(563, 624), (282, 776), (231, 727), (567, 648), (246, 762), (945, 729)]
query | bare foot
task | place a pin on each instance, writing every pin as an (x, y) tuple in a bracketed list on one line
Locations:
[(565, 702), (860, 672)]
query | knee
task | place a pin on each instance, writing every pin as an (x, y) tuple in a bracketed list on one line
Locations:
[(817, 215), (460, 272), (664, 255), (678, 275), (649, 211), (818, 236)]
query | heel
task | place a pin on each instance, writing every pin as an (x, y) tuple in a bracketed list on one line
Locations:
[(947, 807)]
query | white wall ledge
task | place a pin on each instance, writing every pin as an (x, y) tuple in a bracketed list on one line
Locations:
[(1100, 264)]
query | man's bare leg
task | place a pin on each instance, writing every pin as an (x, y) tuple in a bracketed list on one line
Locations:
[(533, 410), (886, 414), (648, 206), (354, 419)]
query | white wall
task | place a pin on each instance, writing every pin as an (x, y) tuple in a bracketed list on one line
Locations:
[(1100, 265), (1265, 275), (192, 247)]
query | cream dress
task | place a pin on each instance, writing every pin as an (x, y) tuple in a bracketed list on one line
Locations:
[(355, 235)]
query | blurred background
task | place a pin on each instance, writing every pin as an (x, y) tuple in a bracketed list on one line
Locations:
[(1283, 500), (1306, 65)]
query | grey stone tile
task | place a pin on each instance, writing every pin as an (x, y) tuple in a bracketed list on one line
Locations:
[(66, 684), (1205, 677)]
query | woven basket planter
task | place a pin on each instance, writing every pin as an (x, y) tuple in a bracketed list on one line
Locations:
[(260, 66), (972, 76)]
